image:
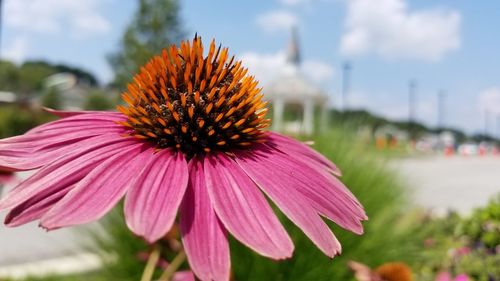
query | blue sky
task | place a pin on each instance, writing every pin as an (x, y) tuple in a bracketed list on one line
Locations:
[(450, 45)]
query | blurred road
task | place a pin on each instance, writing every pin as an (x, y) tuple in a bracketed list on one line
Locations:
[(457, 182), (439, 183), (30, 243)]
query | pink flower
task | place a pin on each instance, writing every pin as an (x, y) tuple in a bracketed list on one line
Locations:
[(191, 142), (462, 277), (446, 276), (443, 276)]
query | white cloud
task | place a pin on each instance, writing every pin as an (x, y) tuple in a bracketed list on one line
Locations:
[(489, 100), (292, 2), (389, 29), (277, 21), (317, 71), (17, 50), (52, 16), (267, 67)]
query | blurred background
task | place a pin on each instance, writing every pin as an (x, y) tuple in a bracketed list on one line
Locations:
[(403, 95)]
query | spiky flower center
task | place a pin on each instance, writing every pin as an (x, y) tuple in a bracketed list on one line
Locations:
[(195, 103)]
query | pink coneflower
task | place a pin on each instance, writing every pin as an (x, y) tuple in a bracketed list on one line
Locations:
[(190, 138)]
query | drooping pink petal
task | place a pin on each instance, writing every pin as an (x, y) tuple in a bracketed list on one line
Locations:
[(27, 145), (243, 209), (67, 169), (18, 153), (100, 190), (35, 207), (6, 178), (203, 235), (95, 119), (155, 195), (30, 161), (65, 113), (278, 186), (327, 194), (301, 151)]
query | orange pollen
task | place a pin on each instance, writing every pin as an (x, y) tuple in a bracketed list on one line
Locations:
[(194, 102)]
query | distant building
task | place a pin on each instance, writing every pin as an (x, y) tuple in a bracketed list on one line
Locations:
[(7, 97), (72, 93), (291, 88)]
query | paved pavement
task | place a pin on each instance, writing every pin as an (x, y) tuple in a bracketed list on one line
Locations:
[(439, 183), (457, 182), (29, 243)]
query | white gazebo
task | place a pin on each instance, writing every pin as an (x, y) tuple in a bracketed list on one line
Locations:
[(291, 87)]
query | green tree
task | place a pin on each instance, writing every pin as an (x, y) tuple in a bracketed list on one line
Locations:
[(156, 25), (9, 76), (52, 98), (32, 76)]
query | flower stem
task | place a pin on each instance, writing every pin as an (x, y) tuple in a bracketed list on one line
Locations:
[(173, 266), (147, 274)]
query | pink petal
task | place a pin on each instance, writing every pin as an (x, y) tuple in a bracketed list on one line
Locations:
[(19, 153), (64, 114), (35, 160), (155, 195), (35, 207), (443, 276), (25, 145), (100, 190), (243, 209), (203, 235), (462, 277), (327, 194), (67, 169), (301, 151), (183, 276), (75, 121), (279, 187), (6, 178)]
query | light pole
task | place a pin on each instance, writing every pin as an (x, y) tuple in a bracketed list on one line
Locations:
[(486, 122), (1, 4), (412, 87), (441, 109)]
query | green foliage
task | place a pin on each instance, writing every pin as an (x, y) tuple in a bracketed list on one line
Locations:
[(32, 75), (28, 78), (83, 76), (52, 98), (9, 76), (156, 25), (98, 100), (483, 227), (462, 245), (122, 246), (15, 120)]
